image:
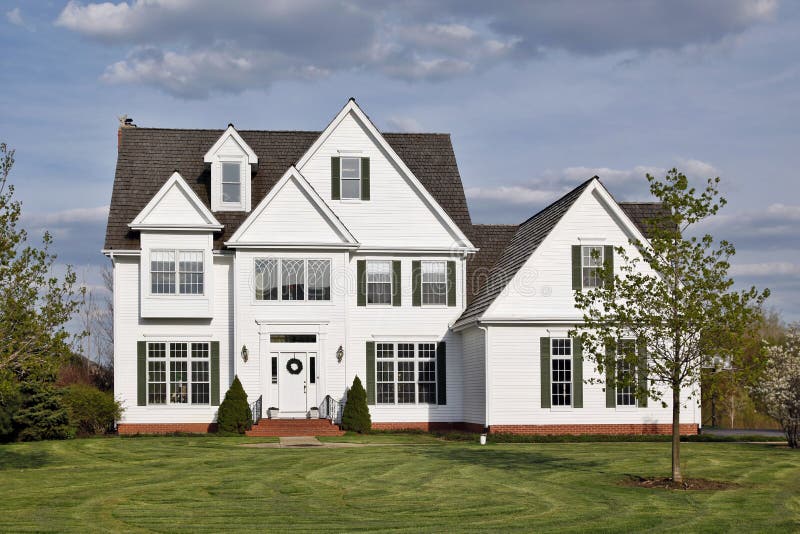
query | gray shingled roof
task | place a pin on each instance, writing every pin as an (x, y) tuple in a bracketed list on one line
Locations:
[(505, 248), (148, 156), (491, 240), (527, 238)]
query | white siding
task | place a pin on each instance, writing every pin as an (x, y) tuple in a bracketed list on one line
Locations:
[(396, 215), (291, 217), (474, 363), (175, 207), (515, 386), (542, 289), (130, 328)]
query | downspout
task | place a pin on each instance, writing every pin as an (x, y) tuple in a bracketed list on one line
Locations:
[(486, 377)]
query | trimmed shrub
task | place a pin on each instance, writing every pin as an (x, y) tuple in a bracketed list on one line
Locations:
[(355, 416), (90, 410), (234, 415), (42, 414)]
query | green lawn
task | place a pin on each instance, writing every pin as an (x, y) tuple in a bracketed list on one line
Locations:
[(212, 484)]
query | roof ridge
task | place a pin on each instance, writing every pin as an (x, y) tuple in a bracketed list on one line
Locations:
[(559, 199)]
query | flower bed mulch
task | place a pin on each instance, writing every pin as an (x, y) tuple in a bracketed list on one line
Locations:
[(686, 484)]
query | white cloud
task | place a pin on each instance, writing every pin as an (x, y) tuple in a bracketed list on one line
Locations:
[(14, 16), (403, 124), (766, 269), (413, 40), (512, 194), (71, 216)]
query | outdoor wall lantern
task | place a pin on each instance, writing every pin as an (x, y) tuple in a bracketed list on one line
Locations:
[(245, 353), (339, 354)]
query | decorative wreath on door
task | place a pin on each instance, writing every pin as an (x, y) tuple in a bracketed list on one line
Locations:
[(294, 366)]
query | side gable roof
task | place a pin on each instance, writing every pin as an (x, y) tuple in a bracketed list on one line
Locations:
[(148, 156), (526, 240), (491, 240), (176, 182)]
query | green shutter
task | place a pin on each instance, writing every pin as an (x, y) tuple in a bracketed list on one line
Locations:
[(336, 184), (577, 283), (451, 283), (364, 178), (361, 274), (370, 372), (441, 373), (141, 373), (396, 283), (642, 369), (577, 373), (611, 367), (544, 361), (416, 283), (608, 264), (215, 373)]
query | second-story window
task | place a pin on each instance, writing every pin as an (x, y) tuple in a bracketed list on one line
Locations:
[(231, 183), (292, 279), (591, 264), (351, 178), (379, 282), (434, 282), (182, 277)]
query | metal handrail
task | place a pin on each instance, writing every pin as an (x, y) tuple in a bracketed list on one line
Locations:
[(255, 409), (331, 409)]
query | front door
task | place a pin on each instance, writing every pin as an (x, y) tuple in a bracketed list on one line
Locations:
[(293, 384)]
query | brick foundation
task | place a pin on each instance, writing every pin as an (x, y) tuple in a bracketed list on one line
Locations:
[(127, 429), (424, 426), (623, 429)]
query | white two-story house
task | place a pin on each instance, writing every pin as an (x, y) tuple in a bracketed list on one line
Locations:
[(299, 260)]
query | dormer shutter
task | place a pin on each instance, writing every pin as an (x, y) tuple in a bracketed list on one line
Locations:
[(364, 178), (336, 191)]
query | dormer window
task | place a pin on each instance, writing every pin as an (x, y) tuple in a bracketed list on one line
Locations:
[(232, 162), (231, 183), (351, 178)]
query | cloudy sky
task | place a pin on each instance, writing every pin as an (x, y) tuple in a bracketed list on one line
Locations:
[(537, 95)]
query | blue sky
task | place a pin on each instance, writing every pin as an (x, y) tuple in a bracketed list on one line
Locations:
[(537, 96)]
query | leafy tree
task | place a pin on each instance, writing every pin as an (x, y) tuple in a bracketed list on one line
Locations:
[(35, 304), (355, 416), (42, 414), (10, 400), (675, 298), (779, 387), (234, 415)]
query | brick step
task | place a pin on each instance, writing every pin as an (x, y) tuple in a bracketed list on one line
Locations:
[(294, 427)]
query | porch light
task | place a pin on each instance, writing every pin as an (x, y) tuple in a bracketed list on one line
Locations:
[(245, 353), (339, 354)]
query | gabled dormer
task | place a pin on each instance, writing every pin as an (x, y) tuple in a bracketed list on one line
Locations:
[(232, 163)]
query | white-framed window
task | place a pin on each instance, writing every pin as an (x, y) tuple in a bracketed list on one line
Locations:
[(434, 283), (626, 374), (379, 282), (591, 264), (178, 372), (231, 182), (561, 371), (182, 277), (285, 279), (350, 176), (405, 373)]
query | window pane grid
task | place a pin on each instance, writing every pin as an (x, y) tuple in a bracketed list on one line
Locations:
[(434, 282), (190, 269), (561, 372), (290, 275), (184, 276), (231, 183), (350, 175), (319, 280), (379, 282), (293, 274), (162, 272), (185, 367), (406, 373), (591, 263), (626, 377)]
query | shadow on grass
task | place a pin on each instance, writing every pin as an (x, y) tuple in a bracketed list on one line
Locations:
[(12, 459), (511, 459)]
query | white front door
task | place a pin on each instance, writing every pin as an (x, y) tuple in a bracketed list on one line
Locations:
[(293, 384)]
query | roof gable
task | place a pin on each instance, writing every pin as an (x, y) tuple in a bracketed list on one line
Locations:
[(147, 157), (175, 205), (228, 136), (274, 222)]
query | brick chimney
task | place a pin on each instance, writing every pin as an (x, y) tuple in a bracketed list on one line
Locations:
[(124, 122)]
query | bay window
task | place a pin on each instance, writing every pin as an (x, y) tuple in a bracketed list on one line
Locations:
[(176, 272)]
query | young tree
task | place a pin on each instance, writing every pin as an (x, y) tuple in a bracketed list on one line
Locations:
[(35, 304), (355, 416), (779, 387), (234, 414), (676, 300)]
